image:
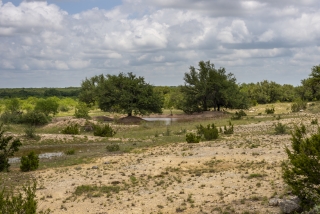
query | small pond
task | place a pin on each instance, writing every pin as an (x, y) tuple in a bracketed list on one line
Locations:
[(47, 155), (166, 120)]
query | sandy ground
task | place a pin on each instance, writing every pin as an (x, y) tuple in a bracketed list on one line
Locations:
[(236, 174)]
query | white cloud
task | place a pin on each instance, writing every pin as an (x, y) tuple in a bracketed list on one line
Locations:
[(158, 36)]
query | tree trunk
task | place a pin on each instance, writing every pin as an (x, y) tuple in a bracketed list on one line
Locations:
[(129, 114)]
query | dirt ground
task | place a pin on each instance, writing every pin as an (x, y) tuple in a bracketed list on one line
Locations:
[(238, 173)]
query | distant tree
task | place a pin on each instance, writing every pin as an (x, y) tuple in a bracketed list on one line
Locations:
[(13, 105), (51, 92), (123, 93), (47, 106), (208, 87), (310, 89), (8, 146)]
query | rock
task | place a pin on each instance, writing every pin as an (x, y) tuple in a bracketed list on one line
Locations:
[(290, 205), (94, 167), (274, 202)]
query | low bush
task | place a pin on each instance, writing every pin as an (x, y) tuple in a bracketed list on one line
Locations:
[(81, 111), (113, 148), (29, 162), (208, 133), (270, 110), (30, 132), (71, 129), (280, 128), (35, 118), (8, 117), (103, 131), (192, 138), (314, 121), (23, 202), (228, 130), (70, 152), (238, 115), (298, 105)]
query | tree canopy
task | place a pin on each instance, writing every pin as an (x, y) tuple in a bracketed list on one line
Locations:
[(123, 93), (208, 87)]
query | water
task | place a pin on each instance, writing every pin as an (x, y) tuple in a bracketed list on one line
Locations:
[(47, 155), (166, 120)]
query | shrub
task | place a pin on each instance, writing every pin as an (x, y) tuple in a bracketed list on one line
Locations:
[(8, 146), (192, 138), (47, 106), (280, 128), (8, 117), (113, 148), (103, 131), (30, 132), (70, 152), (24, 202), (209, 133), (301, 170), (270, 110), (29, 162), (238, 115), (228, 130), (314, 121), (71, 129), (298, 105), (81, 111), (64, 108), (35, 118)]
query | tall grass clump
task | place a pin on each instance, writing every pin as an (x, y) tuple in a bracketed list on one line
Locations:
[(208, 133), (71, 129), (103, 131)]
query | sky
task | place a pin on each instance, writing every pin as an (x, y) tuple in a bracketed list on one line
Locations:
[(59, 43)]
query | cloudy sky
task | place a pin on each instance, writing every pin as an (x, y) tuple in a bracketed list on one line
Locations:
[(58, 43)]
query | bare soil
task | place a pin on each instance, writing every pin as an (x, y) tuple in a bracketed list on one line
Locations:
[(237, 173)]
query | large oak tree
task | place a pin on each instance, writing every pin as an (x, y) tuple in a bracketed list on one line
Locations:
[(123, 93), (208, 87)]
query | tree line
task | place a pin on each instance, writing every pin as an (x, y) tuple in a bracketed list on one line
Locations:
[(205, 88), (24, 93)]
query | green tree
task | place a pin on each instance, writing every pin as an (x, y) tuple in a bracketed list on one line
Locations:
[(81, 111), (311, 86), (208, 87), (29, 162), (47, 106), (8, 146), (121, 93), (302, 169), (13, 105)]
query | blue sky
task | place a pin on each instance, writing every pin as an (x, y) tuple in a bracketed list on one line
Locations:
[(77, 6), (58, 43)]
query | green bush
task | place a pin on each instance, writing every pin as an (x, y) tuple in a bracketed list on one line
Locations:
[(70, 152), (192, 138), (238, 115), (8, 117), (81, 111), (35, 118), (113, 148), (103, 131), (29, 162), (23, 202), (47, 106), (298, 105), (8, 146), (30, 132), (280, 128), (301, 170), (314, 121), (270, 110), (71, 129), (208, 133), (64, 108), (228, 130)]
